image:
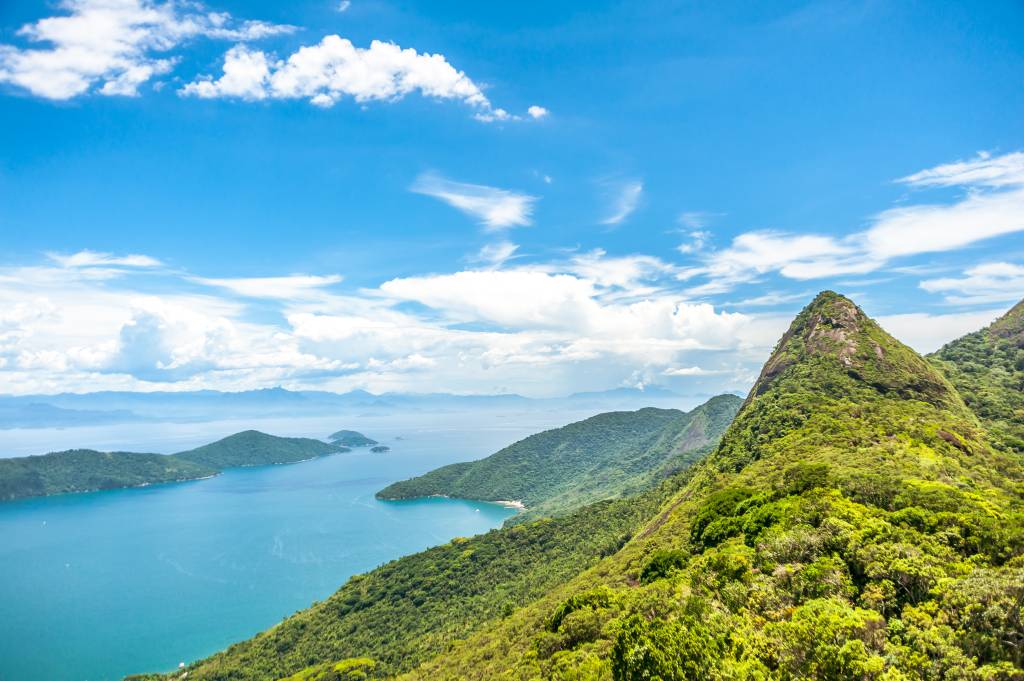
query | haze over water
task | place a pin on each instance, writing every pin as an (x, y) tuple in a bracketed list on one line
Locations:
[(96, 586)]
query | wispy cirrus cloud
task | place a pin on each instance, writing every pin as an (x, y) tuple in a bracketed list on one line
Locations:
[(292, 287), (89, 258), (495, 254), (114, 46), (494, 208), (984, 170), (987, 283), (993, 206), (624, 200)]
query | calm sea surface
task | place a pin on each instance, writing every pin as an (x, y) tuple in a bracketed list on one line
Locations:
[(96, 586)]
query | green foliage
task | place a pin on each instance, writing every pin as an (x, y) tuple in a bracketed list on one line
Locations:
[(601, 597), (85, 470), (606, 456), (684, 649), (663, 563), (987, 368), (854, 523), (351, 669)]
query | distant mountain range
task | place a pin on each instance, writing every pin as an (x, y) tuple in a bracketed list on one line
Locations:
[(111, 407)]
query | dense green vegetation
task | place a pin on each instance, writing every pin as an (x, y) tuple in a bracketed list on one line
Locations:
[(410, 609), (987, 368), (350, 438), (606, 456), (253, 448), (852, 524), (84, 470)]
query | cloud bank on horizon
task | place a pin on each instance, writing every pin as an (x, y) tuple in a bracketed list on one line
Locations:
[(538, 326)]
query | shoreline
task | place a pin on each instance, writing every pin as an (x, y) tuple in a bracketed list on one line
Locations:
[(507, 503)]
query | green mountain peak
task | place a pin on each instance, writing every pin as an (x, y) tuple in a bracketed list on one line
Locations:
[(844, 528), (832, 344)]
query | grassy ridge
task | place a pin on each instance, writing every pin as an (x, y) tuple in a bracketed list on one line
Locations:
[(86, 470), (606, 456)]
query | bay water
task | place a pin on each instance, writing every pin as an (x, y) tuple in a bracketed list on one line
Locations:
[(99, 585)]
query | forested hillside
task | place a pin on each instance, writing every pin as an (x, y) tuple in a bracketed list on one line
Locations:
[(987, 368), (608, 455), (85, 470), (853, 524)]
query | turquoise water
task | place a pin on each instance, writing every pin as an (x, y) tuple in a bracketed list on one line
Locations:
[(96, 586)]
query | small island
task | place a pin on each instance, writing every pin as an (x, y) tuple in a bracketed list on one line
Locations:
[(380, 449), (351, 438)]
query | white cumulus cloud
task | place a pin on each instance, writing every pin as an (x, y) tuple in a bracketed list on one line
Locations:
[(334, 69), (537, 111), (114, 46)]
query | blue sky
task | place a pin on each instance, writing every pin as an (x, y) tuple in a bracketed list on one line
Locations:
[(484, 197)]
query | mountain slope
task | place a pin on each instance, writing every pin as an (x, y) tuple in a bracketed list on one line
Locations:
[(852, 524), (413, 608), (987, 368), (559, 470), (85, 470)]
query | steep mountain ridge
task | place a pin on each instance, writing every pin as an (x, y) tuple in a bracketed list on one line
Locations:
[(605, 456), (987, 368), (852, 524)]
